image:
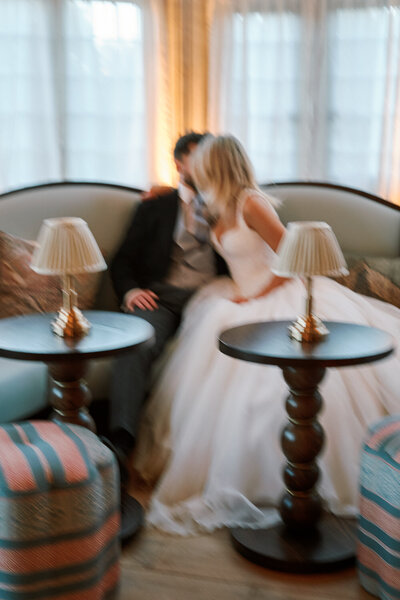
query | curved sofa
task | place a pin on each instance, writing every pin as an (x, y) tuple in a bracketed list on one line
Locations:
[(364, 224)]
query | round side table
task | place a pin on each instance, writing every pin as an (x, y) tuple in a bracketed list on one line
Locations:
[(29, 337), (308, 540)]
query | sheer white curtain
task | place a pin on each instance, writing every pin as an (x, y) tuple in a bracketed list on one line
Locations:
[(78, 80), (28, 137), (311, 87), (102, 92)]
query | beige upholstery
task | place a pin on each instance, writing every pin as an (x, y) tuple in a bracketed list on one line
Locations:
[(107, 209), (362, 225)]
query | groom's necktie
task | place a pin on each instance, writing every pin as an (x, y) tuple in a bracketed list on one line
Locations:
[(194, 219), (188, 215)]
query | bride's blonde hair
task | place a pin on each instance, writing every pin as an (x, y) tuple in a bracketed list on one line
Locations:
[(221, 171)]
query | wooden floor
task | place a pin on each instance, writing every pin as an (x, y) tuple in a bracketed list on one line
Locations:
[(157, 566)]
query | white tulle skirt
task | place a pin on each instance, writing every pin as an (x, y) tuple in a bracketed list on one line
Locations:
[(210, 436)]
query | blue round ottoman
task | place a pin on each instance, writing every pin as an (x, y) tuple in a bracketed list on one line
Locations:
[(59, 513), (379, 521)]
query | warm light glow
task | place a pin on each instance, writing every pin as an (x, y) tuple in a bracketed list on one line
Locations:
[(307, 249), (66, 246), (179, 87)]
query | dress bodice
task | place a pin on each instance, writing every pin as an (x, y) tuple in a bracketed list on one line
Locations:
[(247, 255)]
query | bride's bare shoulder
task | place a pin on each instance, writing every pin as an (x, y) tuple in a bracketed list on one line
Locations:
[(255, 203)]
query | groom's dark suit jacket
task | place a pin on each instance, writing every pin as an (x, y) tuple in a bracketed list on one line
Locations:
[(144, 256)]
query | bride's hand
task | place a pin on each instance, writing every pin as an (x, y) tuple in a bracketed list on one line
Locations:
[(240, 300)]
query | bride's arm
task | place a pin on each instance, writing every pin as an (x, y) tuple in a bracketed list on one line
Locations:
[(261, 217)]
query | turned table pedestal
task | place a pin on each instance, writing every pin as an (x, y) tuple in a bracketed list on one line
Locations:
[(308, 539)]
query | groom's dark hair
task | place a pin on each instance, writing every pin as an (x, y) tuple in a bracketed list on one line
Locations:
[(184, 143)]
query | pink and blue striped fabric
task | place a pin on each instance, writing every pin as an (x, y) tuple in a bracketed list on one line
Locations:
[(379, 521), (59, 514)]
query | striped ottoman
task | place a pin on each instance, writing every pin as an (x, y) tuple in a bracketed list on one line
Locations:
[(59, 513), (379, 523)]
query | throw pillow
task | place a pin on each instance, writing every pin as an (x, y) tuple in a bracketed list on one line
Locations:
[(374, 276), (22, 291)]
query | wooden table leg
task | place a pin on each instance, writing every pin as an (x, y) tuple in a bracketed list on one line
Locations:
[(302, 440), (308, 541), (69, 394), (70, 397)]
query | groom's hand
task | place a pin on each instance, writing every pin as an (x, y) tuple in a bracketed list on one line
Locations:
[(138, 298), (157, 190)]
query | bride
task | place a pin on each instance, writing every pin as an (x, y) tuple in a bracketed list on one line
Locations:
[(210, 432)]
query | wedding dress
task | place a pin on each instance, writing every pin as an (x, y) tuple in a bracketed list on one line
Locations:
[(210, 435)]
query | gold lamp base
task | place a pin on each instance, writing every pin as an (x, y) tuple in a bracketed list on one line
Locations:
[(70, 324), (308, 329)]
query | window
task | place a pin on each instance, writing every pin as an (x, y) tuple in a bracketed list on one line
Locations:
[(310, 88), (265, 76), (73, 97), (363, 67)]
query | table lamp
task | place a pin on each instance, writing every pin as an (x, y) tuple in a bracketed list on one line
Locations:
[(307, 249), (67, 247)]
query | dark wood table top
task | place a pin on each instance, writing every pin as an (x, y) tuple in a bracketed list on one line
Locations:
[(30, 337), (269, 343)]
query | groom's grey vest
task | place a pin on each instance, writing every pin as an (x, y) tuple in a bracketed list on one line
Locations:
[(192, 258)]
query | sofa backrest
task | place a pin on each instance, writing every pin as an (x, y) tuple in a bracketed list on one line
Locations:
[(106, 208), (363, 223)]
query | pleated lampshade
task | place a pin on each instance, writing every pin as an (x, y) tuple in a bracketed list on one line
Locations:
[(66, 246), (309, 248)]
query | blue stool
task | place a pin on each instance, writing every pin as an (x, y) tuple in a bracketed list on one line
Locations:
[(379, 521), (59, 513)]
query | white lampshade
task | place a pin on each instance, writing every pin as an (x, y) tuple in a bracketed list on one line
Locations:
[(309, 248), (66, 246)]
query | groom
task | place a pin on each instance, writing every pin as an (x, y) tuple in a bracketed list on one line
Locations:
[(163, 259)]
